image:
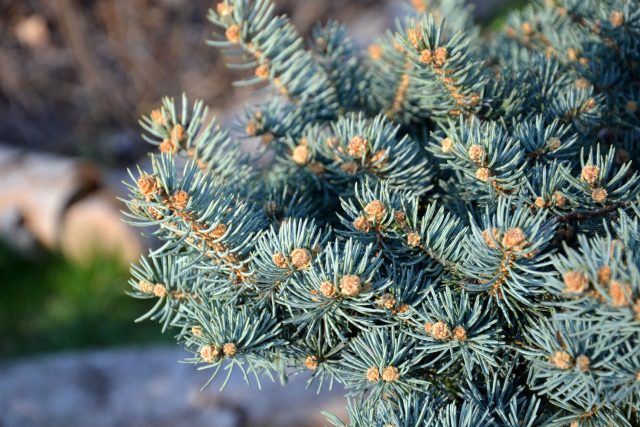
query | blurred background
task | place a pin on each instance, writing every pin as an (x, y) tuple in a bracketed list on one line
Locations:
[(75, 75)]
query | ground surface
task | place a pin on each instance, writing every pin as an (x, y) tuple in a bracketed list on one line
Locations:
[(148, 387)]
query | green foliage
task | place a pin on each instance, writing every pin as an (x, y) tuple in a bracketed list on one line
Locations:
[(447, 226), (51, 304)]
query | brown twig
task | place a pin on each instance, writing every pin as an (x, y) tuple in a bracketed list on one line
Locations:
[(578, 216)]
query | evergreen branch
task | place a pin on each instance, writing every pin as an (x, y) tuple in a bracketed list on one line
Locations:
[(396, 229)]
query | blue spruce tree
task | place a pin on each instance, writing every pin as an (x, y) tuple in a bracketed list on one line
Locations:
[(446, 223)]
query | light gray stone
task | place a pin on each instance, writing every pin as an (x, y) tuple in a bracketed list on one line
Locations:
[(145, 387)]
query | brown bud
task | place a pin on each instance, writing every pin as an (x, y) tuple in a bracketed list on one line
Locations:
[(233, 34), (400, 216), (154, 213), (583, 363), (582, 83), (349, 167), (599, 195), (387, 301), (209, 353), (300, 258), (375, 52), (145, 287), (575, 282), (426, 57), (482, 174), (180, 199), (414, 36), (327, 289), (390, 374), (604, 275), (476, 153), (447, 145), (358, 147), (375, 211), (441, 56), (419, 5), (160, 290), (158, 117), (229, 349), (620, 293), (378, 158), (559, 199), (590, 103), (218, 231), (428, 328), (631, 107), (550, 52), (262, 71), (554, 143), (474, 99), (361, 224), (316, 168), (561, 360), (572, 54), (413, 239), (616, 18), (197, 331), (590, 174), (527, 28), (460, 333), (540, 203), (441, 331), (491, 238), (373, 375), (168, 146), (350, 285), (177, 133), (279, 260), (311, 363), (514, 238), (224, 9), (300, 154), (147, 185)]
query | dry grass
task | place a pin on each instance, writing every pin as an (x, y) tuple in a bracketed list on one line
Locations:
[(76, 74)]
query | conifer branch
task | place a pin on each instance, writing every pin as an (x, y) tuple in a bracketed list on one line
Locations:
[(397, 229)]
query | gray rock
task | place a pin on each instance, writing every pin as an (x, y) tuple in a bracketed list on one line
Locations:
[(148, 387)]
